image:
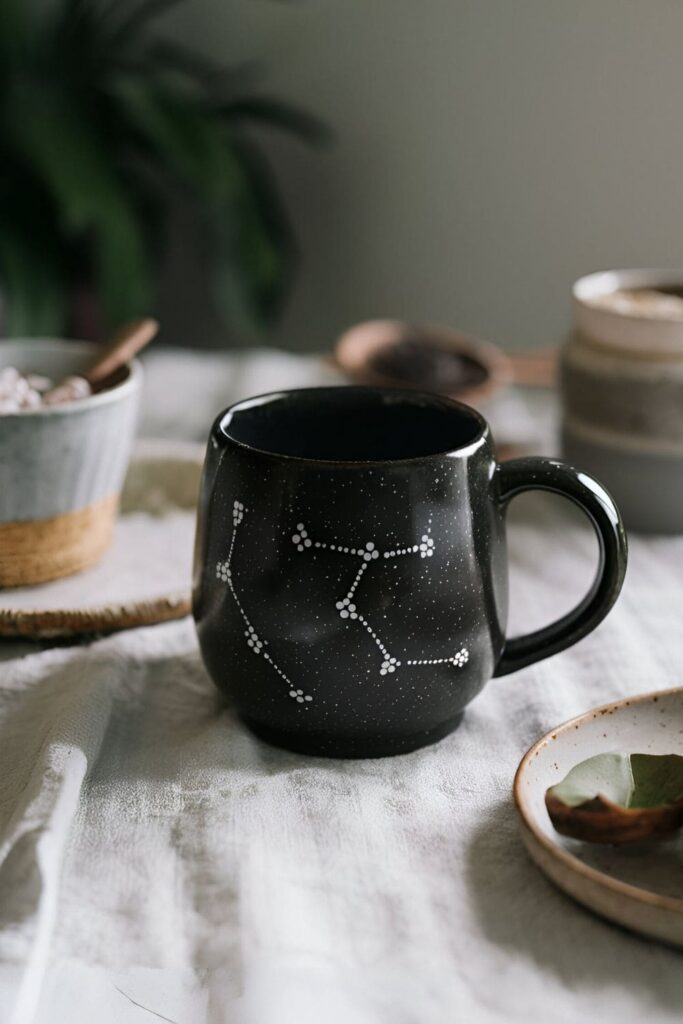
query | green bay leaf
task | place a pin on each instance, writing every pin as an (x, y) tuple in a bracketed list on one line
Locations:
[(658, 779), (608, 775), (619, 798)]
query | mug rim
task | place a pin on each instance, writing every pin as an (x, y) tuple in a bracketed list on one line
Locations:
[(220, 433)]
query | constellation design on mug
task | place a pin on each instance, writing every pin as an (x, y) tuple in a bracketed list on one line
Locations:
[(347, 606), (225, 574)]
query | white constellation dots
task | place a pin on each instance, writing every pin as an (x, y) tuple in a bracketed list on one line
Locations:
[(347, 607), (254, 641), (425, 547), (301, 539)]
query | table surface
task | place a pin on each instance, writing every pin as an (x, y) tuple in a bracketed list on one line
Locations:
[(155, 857)]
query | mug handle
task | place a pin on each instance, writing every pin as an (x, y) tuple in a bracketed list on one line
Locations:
[(538, 474)]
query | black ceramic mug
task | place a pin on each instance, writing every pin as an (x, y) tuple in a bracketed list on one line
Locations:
[(351, 570)]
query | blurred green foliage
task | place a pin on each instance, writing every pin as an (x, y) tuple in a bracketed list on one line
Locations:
[(105, 125)]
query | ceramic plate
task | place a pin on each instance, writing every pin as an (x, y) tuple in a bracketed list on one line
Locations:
[(144, 577), (639, 887)]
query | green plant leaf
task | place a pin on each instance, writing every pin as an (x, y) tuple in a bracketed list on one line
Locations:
[(254, 236), (177, 134), (164, 56), (136, 17), (13, 31), (248, 241), (104, 127), (275, 113), (62, 150), (619, 798), (32, 286)]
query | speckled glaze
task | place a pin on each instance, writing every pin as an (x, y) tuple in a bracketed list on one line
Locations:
[(350, 586), (640, 888)]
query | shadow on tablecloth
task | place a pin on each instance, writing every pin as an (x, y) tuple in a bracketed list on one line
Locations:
[(520, 911)]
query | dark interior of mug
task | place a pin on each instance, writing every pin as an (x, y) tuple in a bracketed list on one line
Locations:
[(350, 424)]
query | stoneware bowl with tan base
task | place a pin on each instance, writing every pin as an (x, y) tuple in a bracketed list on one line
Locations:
[(61, 467)]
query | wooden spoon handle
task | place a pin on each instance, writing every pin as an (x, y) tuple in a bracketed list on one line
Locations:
[(124, 345)]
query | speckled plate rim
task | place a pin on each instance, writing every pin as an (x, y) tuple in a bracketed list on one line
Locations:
[(544, 851), (56, 623)]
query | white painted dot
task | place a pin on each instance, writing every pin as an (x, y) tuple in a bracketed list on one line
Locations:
[(308, 697), (339, 605), (300, 526), (344, 614), (370, 546), (308, 542), (296, 538)]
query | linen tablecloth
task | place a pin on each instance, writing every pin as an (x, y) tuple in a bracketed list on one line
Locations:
[(158, 862)]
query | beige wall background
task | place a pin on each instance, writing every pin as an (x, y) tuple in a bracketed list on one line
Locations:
[(487, 153)]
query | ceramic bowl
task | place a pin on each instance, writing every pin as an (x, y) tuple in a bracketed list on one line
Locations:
[(392, 353), (61, 467), (639, 887), (639, 335), (635, 471), (622, 392)]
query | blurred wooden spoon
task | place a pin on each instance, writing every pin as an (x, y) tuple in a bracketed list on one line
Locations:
[(103, 373)]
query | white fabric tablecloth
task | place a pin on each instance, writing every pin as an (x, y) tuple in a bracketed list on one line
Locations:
[(157, 862)]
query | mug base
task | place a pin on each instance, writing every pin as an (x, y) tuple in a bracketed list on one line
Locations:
[(325, 745)]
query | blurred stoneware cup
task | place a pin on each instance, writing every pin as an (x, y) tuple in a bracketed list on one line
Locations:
[(622, 390), (61, 467)]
